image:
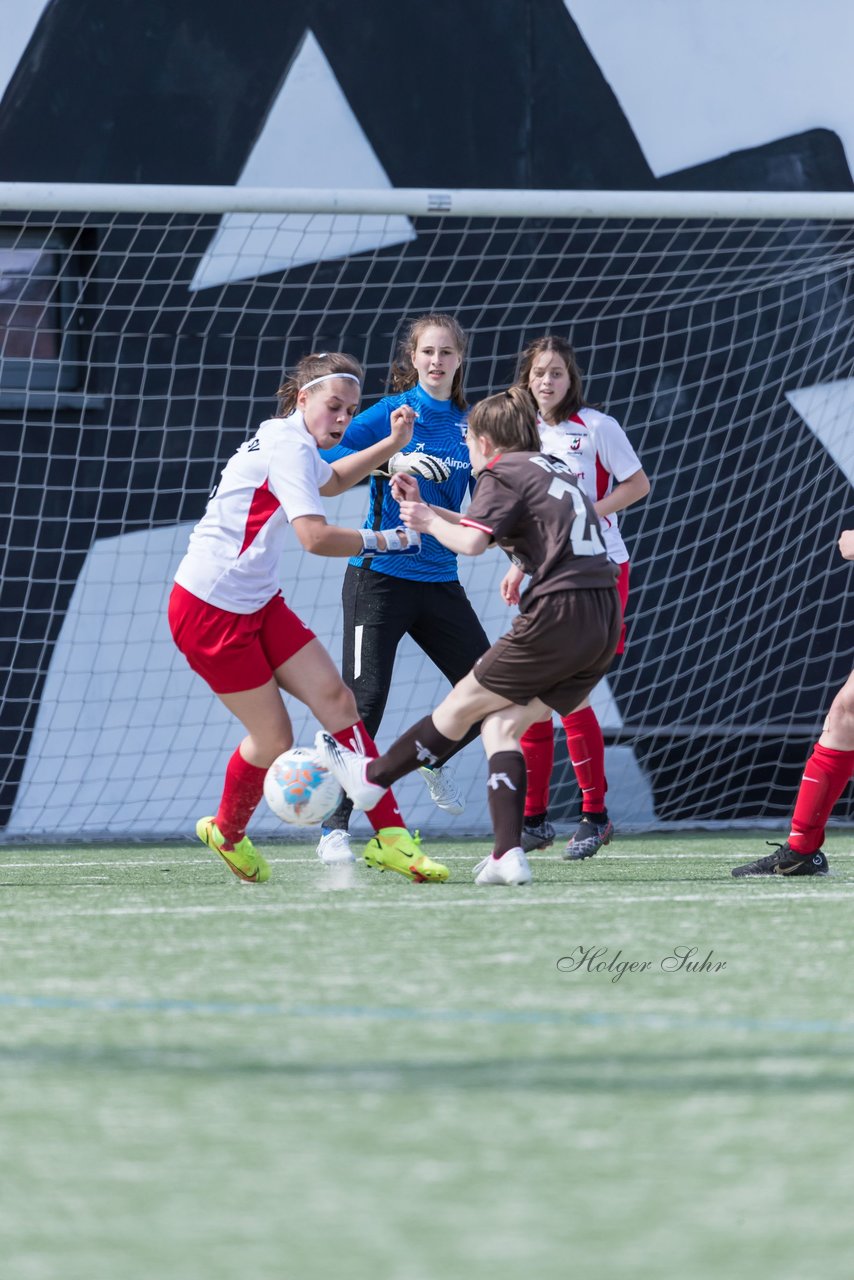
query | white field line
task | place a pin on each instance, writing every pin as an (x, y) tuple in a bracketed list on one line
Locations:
[(480, 902), (286, 860)]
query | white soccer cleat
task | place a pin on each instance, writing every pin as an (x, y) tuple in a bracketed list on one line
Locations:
[(511, 868), (333, 848), (444, 792), (349, 768)]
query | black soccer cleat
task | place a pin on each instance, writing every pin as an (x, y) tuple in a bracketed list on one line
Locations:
[(785, 862), (588, 838), (537, 835)]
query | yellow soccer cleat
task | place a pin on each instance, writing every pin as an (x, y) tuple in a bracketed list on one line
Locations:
[(242, 859), (394, 849)]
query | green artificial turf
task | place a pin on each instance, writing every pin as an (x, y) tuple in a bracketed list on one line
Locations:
[(343, 1074)]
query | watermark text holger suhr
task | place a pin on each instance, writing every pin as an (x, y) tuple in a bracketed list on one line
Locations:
[(682, 959)]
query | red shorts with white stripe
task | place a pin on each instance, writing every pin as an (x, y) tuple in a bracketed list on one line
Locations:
[(235, 651), (623, 593)]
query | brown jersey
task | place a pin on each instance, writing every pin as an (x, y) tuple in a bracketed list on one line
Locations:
[(531, 506)]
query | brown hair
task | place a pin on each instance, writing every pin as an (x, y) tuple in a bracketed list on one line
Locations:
[(402, 374), (574, 398), (509, 419), (314, 366)]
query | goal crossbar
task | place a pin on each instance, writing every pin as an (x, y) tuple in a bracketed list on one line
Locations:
[(426, 201)]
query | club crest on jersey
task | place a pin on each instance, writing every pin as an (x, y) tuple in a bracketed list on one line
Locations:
[(574, 444)]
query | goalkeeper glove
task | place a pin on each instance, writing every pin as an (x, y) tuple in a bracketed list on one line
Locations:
[(415, 464)]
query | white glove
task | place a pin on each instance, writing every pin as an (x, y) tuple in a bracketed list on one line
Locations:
[(418, 464)]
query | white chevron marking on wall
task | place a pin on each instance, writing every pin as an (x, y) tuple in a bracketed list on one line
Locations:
[(700, 80), (19, 21), (828, 410), (119, 700), (311, 138)]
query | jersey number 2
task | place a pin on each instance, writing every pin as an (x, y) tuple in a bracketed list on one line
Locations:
[(584, 537)]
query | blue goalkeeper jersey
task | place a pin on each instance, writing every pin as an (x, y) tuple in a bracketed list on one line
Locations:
[(439, 430)]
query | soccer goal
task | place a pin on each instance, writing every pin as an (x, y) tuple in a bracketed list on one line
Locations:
[(144, 333)]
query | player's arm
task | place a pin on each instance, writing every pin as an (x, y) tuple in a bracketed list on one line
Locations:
[(356, 466), (463, 540), (625, 494), (404, 488), (322, 539), (511, 585), (846, 544)]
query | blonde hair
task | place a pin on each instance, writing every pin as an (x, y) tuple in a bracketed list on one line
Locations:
[(551, 344), (318, 365), (402, 374), (509, 419)]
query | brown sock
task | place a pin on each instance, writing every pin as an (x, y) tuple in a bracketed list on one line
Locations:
[(506, 796), (421, 744)]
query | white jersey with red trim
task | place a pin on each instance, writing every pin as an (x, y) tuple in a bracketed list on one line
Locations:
[(597, 451), (233, 556)]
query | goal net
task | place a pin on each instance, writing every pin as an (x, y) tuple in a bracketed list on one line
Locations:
[(145, 331)]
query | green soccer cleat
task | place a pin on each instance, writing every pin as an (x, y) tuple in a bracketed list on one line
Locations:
[(242, 859), (394, 849)]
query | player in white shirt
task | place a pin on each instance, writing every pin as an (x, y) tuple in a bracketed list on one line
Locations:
[(598, 451), (229, 619)]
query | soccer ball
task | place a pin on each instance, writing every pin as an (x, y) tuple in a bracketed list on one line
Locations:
[(300, 789)]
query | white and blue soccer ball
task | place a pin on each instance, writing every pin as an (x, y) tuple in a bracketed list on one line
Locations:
[(300, 789)]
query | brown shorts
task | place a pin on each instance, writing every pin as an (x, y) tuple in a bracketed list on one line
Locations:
[(557, 651)]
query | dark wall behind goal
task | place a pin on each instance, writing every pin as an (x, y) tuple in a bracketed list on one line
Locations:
[(697, 341)]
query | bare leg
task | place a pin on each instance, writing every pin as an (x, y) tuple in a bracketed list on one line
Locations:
[(265, 718), (838, 731), (502, 728), (313, 678)]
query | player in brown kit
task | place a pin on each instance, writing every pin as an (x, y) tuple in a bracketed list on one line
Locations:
[(560, 645)]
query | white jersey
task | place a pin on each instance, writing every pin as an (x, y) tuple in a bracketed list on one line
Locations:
[(232, 560), (597, 451)]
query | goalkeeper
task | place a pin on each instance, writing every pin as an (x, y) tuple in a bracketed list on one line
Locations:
[(386, 597)]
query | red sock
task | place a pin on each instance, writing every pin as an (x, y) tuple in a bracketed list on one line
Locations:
[(386, 813), (538, 748), (825, 778), (587, 755), (241, 795)]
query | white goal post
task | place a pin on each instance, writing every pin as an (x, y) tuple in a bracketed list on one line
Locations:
[(145, 329)]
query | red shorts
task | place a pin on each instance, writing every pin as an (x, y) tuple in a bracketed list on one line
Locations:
[(623, 593), (235, 651)]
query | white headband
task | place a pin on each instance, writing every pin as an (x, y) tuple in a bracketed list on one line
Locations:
[(324, 376)]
